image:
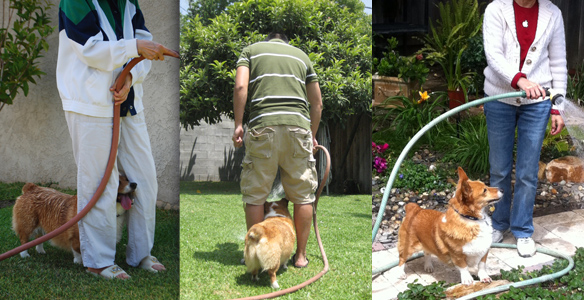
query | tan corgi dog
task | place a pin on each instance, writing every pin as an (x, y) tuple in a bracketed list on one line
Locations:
[(269, 244), (40, 210), (462, 235)]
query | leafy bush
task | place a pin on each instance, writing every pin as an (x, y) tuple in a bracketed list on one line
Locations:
[(460, 20), (411, 69), (575, 89), (417, 177), (21, 43), (474, 61), (554, 146), (335, 34), (420, 292), (466, 144), (411, 115)]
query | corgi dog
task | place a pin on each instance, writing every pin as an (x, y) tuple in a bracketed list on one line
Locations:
[(40, 210), (462, 235), (269, 244)]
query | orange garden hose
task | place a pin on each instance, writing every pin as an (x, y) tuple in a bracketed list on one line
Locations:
[(315, 223), (108, 171)]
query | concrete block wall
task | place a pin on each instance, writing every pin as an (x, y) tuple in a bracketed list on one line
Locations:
[(207, 153)]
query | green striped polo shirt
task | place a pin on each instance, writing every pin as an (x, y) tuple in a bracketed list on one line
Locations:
[(278, 74)]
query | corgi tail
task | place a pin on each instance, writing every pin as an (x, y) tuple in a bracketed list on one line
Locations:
[(27, 187), (255, 234), (412, 208)]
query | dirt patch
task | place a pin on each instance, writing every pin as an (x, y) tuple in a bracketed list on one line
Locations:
[(6, 203)]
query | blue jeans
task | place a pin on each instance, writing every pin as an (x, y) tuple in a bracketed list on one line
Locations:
[(531, 122)]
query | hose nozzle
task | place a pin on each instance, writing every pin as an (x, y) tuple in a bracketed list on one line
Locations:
[(555, 96)]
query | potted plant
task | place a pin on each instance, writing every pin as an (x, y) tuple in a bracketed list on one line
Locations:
[(460, 20), (397, 75)]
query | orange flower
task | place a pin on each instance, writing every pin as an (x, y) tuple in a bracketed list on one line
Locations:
[(423, 97)]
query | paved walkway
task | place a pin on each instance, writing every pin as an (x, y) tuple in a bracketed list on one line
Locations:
[(560, 232)]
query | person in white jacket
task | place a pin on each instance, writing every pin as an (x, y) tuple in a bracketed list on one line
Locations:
[(96, 39), (525, 47)]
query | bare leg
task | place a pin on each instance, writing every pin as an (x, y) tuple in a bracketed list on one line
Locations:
[(302, 222), (253, 214)]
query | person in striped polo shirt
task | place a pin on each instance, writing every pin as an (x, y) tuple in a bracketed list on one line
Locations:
[(285, 113)]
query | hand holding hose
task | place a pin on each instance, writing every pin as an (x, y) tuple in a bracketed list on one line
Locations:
[(532, 89), (153, 51), (121, 95)]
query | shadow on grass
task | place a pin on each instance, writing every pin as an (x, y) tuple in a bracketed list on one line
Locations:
[(224, 253), (367, 216), (263, 278)]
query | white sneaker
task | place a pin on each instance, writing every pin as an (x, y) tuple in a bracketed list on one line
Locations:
[(525, 247), (498, 235)]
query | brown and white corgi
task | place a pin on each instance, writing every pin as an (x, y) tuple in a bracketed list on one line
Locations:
[(269, 244), (40, 210), (462, 235)]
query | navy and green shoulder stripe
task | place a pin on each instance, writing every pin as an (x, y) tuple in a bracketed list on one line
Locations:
[(79, 19)]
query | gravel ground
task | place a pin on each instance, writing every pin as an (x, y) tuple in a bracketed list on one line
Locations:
[(551, 198)]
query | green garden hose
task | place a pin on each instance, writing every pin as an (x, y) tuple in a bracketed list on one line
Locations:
[(505, 287), (416, 137), (495, 245)]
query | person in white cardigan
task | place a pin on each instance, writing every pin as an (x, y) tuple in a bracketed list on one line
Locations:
[(525, 47)]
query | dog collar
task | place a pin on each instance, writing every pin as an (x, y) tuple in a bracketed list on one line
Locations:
[(466, 216)]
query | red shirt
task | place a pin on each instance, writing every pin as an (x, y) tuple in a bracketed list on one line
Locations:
[(525, 26)]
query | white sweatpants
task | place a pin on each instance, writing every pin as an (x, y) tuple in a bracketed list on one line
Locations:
[(91, 138)]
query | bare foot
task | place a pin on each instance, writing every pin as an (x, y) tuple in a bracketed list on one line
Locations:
[(159, 267), (122, 276), (301, 260)]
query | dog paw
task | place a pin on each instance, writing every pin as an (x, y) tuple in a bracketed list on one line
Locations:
[(275, 285), (255, 278), (428, 267), (24, 254), (466, 280), (40, 249), (484, 277), (401, 273)]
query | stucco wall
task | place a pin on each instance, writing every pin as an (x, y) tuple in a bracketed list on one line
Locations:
[(207, 153), (34, 140)]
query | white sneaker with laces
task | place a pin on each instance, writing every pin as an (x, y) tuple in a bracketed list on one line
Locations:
[(498, 235), (525, 247)]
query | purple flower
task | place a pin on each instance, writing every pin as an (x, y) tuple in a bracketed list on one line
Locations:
[(401, 176)]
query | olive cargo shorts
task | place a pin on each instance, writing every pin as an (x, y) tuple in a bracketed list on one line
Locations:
[(287, 147)]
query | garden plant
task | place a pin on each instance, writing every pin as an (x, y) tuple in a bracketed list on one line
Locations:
[(23, 33)]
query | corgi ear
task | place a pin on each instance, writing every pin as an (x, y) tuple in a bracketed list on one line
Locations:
[(466, 191), (462, 175)]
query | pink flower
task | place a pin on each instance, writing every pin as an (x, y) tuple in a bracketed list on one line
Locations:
[(419, 56), (380, 164)]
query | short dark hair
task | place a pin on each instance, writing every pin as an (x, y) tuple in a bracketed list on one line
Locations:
[(277, 35)]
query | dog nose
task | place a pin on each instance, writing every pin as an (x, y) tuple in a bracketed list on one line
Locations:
[(133, 185)]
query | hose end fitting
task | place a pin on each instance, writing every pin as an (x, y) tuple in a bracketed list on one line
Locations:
[(555, 96)]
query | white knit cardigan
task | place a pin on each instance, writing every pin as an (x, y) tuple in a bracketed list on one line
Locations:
[(546, 58)]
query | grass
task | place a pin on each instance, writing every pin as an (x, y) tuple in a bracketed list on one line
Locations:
[(55, 276), (212, 240)]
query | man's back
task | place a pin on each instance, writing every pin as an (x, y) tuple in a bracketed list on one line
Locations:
[(277, 84)]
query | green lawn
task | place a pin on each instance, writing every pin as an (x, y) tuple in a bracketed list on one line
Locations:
[(55, 276), (212, 240)]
